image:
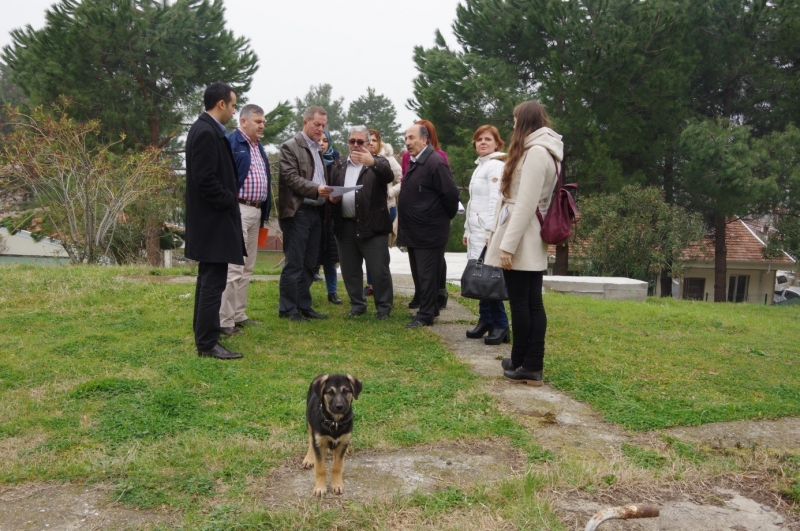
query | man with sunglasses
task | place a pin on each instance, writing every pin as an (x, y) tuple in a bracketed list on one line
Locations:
[(362, 224)]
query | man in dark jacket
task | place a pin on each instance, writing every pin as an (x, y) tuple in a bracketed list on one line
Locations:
[(428, 201), (253, 185), (302, 193), (213, 224), (362, 224)]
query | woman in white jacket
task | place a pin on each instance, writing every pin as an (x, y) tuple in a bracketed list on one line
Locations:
[(515, 243), (484, 190)]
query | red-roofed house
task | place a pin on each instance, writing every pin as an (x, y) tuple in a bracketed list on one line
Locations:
[(751, 277)]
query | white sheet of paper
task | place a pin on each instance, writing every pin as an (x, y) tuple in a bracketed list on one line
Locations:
[(341, 190)]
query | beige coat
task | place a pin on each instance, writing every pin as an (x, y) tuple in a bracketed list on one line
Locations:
[(516, 228)]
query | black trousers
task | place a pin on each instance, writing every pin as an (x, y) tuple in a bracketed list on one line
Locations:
[(528, 318), (426, 270), (211, 280), (352, 255), (301, 236)]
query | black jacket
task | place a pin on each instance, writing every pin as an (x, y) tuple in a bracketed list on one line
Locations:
[(372, 214), (428, 201), (213, 222)]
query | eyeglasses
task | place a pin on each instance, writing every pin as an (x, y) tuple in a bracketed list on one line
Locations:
[(359, 141)]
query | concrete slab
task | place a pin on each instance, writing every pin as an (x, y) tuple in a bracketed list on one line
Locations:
[(614, 288)]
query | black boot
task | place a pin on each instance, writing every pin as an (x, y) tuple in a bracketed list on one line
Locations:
[(441, 298), (334, 298), (524, 376), (479, 331), (498, 335)]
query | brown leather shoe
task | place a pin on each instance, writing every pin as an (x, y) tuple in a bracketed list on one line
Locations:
[(230, 330), (219, 352)]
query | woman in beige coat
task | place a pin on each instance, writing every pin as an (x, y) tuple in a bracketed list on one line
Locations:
[(515, 244)]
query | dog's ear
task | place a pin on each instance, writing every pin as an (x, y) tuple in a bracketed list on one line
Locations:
[(355, 385), (319, 384)]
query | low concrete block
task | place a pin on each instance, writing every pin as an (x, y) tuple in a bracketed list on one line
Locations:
[(614, 288)]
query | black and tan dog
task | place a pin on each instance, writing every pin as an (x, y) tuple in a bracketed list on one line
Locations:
[(330, 422)]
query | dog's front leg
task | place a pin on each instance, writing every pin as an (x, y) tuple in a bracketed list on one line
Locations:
[(337, 482), (320, 478), (308, 460)]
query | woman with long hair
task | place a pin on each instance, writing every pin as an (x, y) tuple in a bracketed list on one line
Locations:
[(484, 191), (442, 296), (515, 243)]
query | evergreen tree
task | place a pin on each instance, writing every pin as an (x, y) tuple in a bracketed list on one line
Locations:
[(321, 96), (376, 111), (136, 66)]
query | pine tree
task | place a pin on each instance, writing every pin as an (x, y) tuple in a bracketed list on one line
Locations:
[(321, 96), (376, 111), (136, 66)]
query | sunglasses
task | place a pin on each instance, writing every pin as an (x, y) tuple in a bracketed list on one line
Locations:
[(359, 141)]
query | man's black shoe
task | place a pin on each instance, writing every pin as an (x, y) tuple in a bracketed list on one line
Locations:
[(293, 317), (311, 314), (416, 324), (219, 352), (507, 364), (230, 331), (248, 322), (356, 313), (524, 376), (381, 316), (334, 298)]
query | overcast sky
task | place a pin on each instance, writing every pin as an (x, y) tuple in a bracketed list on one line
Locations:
[(350, 45)]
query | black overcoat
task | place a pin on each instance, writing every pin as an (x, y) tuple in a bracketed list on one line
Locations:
[(213, 222), (428, 201)]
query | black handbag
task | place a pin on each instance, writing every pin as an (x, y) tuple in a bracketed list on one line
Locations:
[(481, 281)]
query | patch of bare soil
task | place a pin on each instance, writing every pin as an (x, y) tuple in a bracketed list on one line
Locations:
[(68, 507), (382, 474)]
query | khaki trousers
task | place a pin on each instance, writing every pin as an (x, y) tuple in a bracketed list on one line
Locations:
[(234, 298)]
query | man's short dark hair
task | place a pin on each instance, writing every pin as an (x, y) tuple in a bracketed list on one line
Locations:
[(217, 91), (424, 133)]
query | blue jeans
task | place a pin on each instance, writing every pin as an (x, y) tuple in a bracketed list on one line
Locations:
[(494, 312), (330, 277)]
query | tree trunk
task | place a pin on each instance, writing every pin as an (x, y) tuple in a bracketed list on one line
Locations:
[(562, 259), (720, 259), (153, 242), (666, 282)]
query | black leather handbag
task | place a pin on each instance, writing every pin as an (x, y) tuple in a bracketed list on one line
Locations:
[(481, 281)]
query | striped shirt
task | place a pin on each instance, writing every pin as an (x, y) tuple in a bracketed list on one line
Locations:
[(319, 169), (255, 184)]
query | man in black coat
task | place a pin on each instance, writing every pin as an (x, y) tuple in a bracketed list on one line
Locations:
[(213, 223), (428, 201)]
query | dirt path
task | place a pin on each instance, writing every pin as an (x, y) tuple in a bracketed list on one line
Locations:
[(568, 428)]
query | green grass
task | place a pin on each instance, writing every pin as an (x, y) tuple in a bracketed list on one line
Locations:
[(667, 362), (100, 382)]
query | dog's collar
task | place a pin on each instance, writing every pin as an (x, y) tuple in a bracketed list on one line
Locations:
[(333, 425)]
